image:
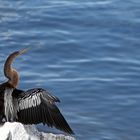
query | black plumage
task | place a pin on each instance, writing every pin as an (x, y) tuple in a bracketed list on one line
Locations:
[(44, 111)]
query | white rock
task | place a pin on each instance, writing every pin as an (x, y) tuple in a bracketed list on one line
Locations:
[(18, 131)]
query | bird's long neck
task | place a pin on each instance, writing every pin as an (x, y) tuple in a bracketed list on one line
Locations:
[(9, 72)]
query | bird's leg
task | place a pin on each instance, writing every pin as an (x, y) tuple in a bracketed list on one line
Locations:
[(2, 119)]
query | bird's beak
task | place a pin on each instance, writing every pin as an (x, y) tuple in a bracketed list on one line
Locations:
[(22, 51)]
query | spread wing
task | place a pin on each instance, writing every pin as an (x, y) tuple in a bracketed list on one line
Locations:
[(37, 105)]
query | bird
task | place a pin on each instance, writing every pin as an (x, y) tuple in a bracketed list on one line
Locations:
[(32, 106)]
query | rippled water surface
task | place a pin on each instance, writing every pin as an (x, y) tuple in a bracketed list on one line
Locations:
[(86, 52)]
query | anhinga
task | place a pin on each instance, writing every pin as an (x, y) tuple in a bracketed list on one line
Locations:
[(28, 107)]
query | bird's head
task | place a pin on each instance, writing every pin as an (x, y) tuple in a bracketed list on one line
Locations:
[(17, 53)]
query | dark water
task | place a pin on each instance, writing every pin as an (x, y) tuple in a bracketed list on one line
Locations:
[(86, 52)]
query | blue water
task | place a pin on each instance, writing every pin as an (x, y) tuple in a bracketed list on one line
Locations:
[(86, 52)]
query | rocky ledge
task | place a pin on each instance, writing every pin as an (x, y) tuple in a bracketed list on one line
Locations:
[(18, 131)]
